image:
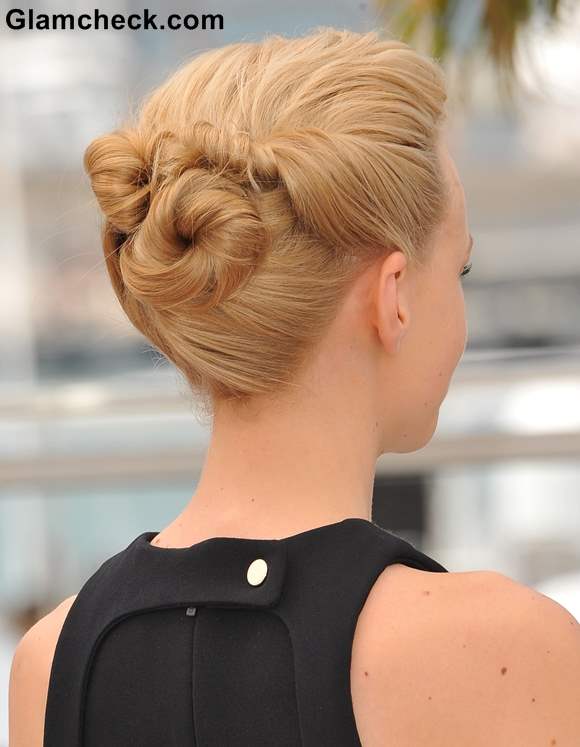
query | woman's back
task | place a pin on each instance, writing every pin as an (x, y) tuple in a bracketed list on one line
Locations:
[(437, 658), (184, 646)]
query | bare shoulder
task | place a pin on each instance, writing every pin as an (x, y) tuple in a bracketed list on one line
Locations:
[(464, 658), (30, 675)]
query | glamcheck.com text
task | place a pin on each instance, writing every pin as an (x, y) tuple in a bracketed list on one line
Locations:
[(29, 20)]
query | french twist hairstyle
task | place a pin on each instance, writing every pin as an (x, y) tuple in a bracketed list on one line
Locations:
[(254, 185)]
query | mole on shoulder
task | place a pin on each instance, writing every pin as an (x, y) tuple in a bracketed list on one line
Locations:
[(503, 670)]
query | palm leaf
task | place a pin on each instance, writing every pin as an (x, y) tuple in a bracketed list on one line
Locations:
[(496, 27)]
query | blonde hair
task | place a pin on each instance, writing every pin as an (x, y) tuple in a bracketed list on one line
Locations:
[(254, 185)]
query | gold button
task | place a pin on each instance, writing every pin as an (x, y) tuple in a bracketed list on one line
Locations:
[(257, 571)]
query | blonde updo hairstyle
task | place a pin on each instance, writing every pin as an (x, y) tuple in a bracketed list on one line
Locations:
[(254, 185)]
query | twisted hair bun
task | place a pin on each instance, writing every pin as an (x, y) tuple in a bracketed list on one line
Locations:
[(195, 235), (254, 186), (118, 165)]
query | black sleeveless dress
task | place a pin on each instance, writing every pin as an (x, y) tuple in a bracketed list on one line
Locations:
[(231, 642)]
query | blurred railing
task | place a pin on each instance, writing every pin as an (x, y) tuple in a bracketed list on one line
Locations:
[(501, 405)]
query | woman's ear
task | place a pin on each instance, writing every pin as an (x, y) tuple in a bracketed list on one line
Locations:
[(392, 314)]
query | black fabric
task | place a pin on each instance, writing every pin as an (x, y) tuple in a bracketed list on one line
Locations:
[(174, 647)]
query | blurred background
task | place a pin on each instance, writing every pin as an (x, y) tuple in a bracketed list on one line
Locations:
[(98, 439)]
